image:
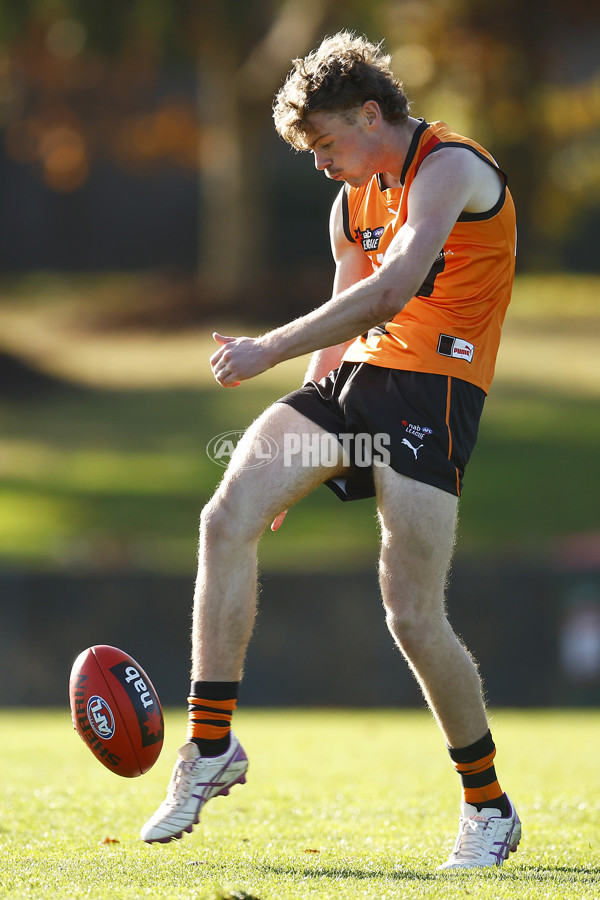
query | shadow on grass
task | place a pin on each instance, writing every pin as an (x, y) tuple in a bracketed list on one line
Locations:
[(581, 874), (84, 467), (337, 872)]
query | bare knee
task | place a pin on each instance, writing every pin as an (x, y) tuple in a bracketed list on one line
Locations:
[(413, 599), (404, 626), (225, 520), (413, 624)]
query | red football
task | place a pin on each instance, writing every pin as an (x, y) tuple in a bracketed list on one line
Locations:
[(116, 711)]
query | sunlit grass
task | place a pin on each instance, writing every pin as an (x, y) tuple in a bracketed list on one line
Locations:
[(338, 806), (555, 295), (551, 335), (123, 473)]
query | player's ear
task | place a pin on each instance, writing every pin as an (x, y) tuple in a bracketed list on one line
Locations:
[(371, 112)]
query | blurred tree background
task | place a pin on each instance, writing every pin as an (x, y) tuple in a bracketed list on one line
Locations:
[(146, 197), (132, 130)]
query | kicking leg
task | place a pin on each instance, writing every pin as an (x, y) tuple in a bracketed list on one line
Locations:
[(246, 502), (244, 505)]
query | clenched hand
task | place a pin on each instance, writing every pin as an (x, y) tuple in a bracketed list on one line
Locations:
[(238, 359)]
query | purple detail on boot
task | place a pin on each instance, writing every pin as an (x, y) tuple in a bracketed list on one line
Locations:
[(166, 840), (504, 846), (225, 791), (239, 755)]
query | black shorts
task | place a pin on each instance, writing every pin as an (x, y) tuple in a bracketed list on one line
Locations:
[(429, 422)]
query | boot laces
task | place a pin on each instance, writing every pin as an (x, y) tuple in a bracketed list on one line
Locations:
[(471, 841), (181, 783)]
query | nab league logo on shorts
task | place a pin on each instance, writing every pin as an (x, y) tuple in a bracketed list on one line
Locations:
[(455, 347), (369, 238), (420, 432)]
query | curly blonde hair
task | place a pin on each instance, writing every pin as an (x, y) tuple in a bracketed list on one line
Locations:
[(339, 76)]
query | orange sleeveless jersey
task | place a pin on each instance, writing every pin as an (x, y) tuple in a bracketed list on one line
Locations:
[(452, 325)]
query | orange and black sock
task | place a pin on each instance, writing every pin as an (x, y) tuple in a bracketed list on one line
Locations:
[(475, 765), (210, 708)]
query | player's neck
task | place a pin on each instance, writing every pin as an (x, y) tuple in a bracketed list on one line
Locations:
[(400, 140)]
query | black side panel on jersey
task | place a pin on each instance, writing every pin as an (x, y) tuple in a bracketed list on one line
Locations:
[(421, 127), (346, 216), (426, 289)]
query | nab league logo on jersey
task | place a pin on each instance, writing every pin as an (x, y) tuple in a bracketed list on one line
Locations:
[(369, 238)]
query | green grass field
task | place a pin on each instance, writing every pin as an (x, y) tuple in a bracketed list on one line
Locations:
[(338, 806)]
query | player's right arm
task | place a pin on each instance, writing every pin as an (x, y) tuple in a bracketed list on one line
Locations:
[(351, 265)]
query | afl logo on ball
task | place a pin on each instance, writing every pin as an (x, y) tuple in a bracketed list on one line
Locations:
[(101, 718)]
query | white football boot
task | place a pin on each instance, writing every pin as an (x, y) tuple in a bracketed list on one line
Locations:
[(194, 781), (484, 838)]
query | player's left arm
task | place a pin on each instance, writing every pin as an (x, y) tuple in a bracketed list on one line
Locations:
[(447, 183)]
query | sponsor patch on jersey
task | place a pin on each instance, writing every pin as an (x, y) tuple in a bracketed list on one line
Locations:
[(455, 347), (369, 238)]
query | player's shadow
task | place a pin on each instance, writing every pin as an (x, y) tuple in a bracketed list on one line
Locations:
[(349, 871), (516, 872), (585, 873)]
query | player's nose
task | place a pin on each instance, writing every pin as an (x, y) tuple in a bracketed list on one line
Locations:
[(322, 160)]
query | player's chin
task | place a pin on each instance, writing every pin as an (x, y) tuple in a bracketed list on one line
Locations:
[(356, 181)]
